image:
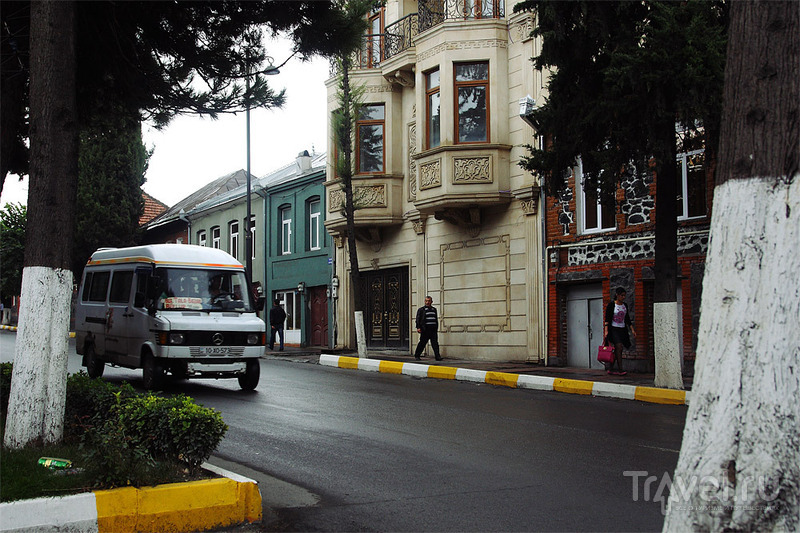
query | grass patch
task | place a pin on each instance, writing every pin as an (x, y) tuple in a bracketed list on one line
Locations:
[(22, 477)]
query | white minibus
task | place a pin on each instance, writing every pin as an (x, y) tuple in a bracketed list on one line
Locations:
[(177, 308)]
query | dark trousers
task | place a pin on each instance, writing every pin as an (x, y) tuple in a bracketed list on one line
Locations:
[(428, 334), (279, 331)]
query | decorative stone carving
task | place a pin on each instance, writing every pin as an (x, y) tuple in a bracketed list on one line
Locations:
[(430, 175), (472, 170), (335, 200), (363, 196), (369, 196), (419, 226), (468, 218), (444, 48), (528, 198), (412, 163)]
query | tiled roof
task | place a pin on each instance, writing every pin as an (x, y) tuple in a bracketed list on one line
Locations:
[(152, 208)]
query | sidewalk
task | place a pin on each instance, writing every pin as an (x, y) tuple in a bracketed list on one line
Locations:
[(516, 374)]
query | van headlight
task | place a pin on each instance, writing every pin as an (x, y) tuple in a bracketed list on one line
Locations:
[(253, 338), (165, 337)]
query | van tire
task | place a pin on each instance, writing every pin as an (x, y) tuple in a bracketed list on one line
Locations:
[(253, 372), (94, 365), (152, 372)]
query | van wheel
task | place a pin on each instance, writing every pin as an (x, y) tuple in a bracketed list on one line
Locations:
[(250, 379), (152, 372), (94, 366)]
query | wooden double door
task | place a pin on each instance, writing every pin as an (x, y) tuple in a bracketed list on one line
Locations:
[(386, 311)]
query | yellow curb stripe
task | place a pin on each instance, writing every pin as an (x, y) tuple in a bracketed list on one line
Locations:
[(665, 396), (442, 372), (348, 362), (391, 367), (191, 506), (573, 386), (503, 379)]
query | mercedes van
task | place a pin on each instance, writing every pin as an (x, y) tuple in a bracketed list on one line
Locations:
[(169, 308)]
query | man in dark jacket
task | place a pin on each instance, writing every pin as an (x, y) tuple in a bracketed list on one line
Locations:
[(277, 316), (428, 328)]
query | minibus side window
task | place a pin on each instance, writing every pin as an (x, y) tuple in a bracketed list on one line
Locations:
[(99, 287), (121, 287), (87, 284)]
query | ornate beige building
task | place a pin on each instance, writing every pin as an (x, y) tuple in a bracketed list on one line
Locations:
[(442, 206)]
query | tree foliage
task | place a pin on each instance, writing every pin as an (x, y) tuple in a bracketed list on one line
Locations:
[(622, 71), (168, 58), (111, 168), (13, 218)]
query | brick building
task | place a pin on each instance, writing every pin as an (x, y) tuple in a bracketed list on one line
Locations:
[(592, 249)]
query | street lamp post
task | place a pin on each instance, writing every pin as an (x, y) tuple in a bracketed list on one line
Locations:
[(248, 236)]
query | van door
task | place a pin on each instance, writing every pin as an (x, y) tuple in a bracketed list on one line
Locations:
[(95, 291), (117, 318)]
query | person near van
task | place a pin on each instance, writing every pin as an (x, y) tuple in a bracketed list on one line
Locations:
[(615, 329), (277, 316), (427, 323)]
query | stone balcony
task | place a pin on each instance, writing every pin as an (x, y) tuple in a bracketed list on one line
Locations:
[(454, 182), (378, 201)]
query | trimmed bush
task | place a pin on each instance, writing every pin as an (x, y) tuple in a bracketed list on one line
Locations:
[(127, 437)]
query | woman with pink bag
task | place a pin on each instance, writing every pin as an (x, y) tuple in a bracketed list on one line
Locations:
[(615, 329)]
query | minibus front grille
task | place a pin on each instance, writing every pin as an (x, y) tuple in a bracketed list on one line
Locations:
[(217, 338)]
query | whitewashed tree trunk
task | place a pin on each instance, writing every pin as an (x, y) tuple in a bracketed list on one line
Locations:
[(739, 466), (38, 383), (743, 427), (667, 349)]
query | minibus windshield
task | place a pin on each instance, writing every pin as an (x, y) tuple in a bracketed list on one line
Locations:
[(183, 289)]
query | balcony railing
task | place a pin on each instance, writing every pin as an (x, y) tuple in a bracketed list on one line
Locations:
[(399, 35), (434, 12)]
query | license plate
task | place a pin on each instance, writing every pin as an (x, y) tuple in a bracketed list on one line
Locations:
[(215, 350)]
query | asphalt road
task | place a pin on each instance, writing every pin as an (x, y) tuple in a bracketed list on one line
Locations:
[(394, 453)]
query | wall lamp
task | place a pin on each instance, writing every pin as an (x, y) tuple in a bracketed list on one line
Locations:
[(301, 287)]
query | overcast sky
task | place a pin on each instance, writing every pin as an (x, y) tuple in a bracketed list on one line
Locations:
[(193, 151)]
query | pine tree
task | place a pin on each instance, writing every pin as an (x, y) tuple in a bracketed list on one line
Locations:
[(625, 74)]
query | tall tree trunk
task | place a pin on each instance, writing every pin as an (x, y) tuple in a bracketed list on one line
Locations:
[(38, 385), (347, 178), (665, 302), (739, 467)]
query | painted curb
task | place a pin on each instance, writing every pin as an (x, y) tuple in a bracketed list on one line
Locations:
[(518, 381), (191, 506), (14, 328)]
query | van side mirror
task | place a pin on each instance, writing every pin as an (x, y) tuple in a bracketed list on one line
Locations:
[(139, 299), (260, 303)]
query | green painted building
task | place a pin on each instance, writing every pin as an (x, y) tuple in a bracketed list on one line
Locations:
[(291, 252)]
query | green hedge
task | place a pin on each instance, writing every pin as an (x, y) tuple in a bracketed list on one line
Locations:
[(124, 434)]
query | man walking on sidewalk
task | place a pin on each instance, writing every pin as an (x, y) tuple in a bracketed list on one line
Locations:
[(428, 328), (277, 316)]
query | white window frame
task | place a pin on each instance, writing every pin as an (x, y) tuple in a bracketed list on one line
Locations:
[(215, 240), (582, 206), (202, 237), (684, 184), (314, 215), (291, 302), (233, 238), (286, 230)]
